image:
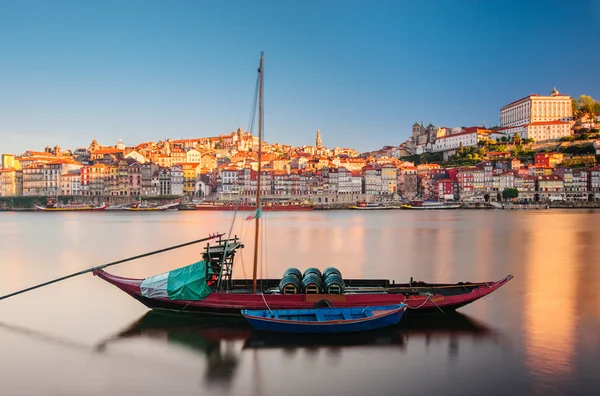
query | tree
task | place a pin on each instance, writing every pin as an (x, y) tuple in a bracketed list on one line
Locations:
[(585, 105), (510, 193), (503, 139), (517, 139)]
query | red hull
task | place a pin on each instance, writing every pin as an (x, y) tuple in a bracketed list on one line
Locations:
[(274, 208), (223, 303)]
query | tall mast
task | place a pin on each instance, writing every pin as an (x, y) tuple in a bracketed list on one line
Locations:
[(258, 210)]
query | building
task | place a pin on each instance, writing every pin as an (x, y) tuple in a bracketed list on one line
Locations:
[(594, 184), (550, 188), (164, 179), (542, 118), (389, 179), (372, 179), (10, 185), (537, 108), (70, 183), (33, 180), (548, 160), (447, 190), (407, 182), (190, 171), (525, 185), (177, 180)]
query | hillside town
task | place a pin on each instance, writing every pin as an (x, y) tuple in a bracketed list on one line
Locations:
[(545, 149)]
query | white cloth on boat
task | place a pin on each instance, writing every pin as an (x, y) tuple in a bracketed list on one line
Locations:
[(155, 286)]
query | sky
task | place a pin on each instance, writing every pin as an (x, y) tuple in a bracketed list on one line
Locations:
[(362, 72)]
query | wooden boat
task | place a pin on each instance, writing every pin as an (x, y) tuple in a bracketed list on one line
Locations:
[(269, 207), (207, 287), (363, 205), (325, 320), (139, 207), (229, 296), (52, 205), (431, 205)]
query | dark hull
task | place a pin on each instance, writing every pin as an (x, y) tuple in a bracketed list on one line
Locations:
[(420, 298)]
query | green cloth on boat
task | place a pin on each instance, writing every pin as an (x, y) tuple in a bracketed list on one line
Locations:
[(185, 284), (188, 283)]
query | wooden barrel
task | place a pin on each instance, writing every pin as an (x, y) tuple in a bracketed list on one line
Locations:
[(312, 283), (315, 271), (331, 271), (334, 284), (293, 271), (289, 284)]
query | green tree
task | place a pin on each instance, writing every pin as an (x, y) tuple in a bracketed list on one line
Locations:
[(504, 139), (510, 193), (517, 139), (585, 104)]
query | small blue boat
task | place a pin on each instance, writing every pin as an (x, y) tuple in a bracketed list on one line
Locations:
[(325, 320)]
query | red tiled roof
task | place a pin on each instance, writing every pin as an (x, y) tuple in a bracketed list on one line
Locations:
[(557, 122)]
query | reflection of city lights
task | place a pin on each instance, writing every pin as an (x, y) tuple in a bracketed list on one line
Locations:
[(549, 311)]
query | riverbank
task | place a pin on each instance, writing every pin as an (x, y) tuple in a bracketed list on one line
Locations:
[(26, 204)]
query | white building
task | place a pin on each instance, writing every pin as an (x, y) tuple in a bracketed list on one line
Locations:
[(193, 155), (176, 180), (136, 156), (537, 111), (70, 184)]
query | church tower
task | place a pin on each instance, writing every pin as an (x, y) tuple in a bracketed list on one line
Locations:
[(319, 143)]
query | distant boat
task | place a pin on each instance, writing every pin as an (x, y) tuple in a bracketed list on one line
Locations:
[(325, 320), (144, 207), (52, 205), (430, 205), (363, 205), (266, 207)]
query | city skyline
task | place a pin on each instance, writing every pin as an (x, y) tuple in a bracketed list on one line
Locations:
[(362, 75)]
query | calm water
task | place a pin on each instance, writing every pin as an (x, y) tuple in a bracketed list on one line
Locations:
[(538, 335)]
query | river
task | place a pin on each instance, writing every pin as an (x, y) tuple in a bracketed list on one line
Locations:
[(537, 335)]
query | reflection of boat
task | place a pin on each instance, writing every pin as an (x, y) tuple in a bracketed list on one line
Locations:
[(430, 205), (203, 334), (363, 205), (267, 207), (52, 205), (207, 287), (325, 320)]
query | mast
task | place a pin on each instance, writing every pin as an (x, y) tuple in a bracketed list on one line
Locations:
[(258, 210)]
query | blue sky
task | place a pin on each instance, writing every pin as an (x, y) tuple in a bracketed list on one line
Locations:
[(360, 71)]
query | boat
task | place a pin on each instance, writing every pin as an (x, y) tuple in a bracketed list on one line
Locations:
[(363, 205), (208, 287), (430, 205), (144, 207), (52, 205), (267, 207), (325, 320)]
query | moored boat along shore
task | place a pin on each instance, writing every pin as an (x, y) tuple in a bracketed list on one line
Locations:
[(28, 204)]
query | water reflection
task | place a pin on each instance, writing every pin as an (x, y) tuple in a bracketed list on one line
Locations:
[(223, 342)]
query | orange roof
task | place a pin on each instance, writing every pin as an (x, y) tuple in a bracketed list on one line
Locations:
[(557, 122), (107, 151)]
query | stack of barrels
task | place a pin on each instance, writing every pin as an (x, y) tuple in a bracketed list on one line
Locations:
[(312, 281)]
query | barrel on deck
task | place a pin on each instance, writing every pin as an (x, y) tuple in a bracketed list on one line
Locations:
[(293, 271), (312, 283), (330, 271), (334, 284), (315, 271), (290, 284)]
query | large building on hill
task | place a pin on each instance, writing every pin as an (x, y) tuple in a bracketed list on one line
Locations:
[(541, 118)]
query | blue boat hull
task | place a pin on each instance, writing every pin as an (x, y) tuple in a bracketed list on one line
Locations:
[(324, 327)]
